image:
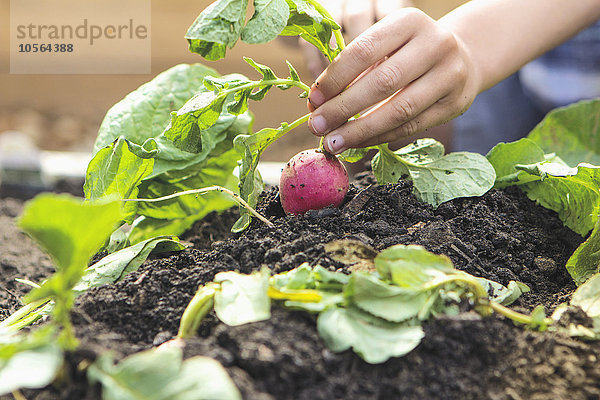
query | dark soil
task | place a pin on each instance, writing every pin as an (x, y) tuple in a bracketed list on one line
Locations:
[(501, 236)]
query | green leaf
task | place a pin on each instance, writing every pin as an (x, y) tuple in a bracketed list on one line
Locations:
[(411, 266), (117, 170), (71, 232), (269, 19), (505, 295), (242, 298), (29, 361), (587, 297), (311, 25), (117, 241), (355, 155), (435, 179), (229, 94), (115, 266), (388, 167), (374, 340), (144, 228), (219, 26), (392, 303), (575, 197), (200, 113), (585, 260), (145, 112), (160, 374), (422, 151), (453, 176), (505, 156), (572, 132), (301, 277), (213, 171), (538, 318), (251, 147)]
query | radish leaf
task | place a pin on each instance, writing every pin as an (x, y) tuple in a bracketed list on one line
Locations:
[(29, 361), (115, 266), (221, 24), (160, 374), (71, 232), (123, 164), (374, 340), (436, 178), (572, 132), (242, 298)]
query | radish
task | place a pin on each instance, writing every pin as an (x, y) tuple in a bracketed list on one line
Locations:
[(312, 180)]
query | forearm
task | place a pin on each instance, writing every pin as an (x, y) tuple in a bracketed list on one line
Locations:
[(503, 35)]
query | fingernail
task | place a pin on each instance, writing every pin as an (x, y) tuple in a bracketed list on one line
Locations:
[(319, 125), (316, 97), (335, 143)]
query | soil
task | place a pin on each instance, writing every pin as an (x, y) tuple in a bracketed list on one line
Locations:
[(501, 236)]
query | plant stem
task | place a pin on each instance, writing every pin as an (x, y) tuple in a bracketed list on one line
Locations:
[(476, 287), (18, 395), (302, 295), (271, 82), (199, 306), (339, 38), (514, 315), (216, 188)]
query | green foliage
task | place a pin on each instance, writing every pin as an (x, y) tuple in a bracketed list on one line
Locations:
[(229, 94), (161, 374), (242, 298), (587, 297), (504, 157), (585, 260), (71, 232), (373, 339), (123, 165), (251, 147), (140, 119), (573, 193), (29, 361), (144, 113), (313, 24), (572, 132), (222, 23), (436, 177), (378, 315), (115, 266)]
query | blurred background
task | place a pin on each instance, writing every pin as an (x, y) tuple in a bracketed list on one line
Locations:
[(63, 112)]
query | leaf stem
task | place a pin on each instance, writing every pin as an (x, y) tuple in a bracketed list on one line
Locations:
[(199, 306), (515, 315), (337, 33), (216, 188), (272, 82)]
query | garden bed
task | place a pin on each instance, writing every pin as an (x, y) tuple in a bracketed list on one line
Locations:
[(501, 236)]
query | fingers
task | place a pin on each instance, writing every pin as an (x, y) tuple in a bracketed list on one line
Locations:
[(383, 8), (374, 44), (428, 101), (380, 83)]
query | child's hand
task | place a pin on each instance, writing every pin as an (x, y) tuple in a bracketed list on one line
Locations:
[(408, 68), (355, 17)]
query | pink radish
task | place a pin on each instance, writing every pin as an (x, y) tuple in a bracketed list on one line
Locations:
[(312, 180)]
